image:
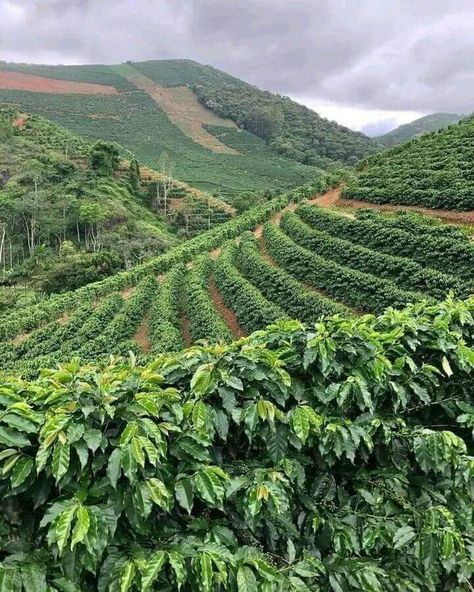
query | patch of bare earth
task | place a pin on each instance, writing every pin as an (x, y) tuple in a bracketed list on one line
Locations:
[(32, 83), (187, 339), (142, 336), (127, 292), (184, 110), (332, 198), (227, 314), (62, 320)]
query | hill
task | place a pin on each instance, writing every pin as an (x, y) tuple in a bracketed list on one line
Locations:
[(61, 200), (434, 170), (428, 123), (300, 264), (194, 114)]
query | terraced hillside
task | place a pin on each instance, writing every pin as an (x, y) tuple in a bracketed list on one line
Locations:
[(152, 120), (152, 108), (434, 170), (277, 261)]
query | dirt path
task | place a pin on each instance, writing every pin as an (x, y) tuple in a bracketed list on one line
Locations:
[(182, 107), (188, 340), (332, 198), (142, 336), (227, 314)]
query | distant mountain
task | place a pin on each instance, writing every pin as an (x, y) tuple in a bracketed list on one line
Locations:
[(222, 134), (429, 123)]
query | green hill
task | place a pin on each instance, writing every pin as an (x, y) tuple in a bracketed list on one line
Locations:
[(151, 108), (429, 123), (434, 170), (61, 211)]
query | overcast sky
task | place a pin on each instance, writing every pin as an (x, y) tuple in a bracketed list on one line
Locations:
[(372, 63)]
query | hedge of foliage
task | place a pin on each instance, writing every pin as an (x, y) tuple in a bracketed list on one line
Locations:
[(444, 254), (278, 286), (407, 274), (361, 291), (434, 170), (335, 457)]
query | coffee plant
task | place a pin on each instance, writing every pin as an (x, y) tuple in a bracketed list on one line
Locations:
[(335, 457)]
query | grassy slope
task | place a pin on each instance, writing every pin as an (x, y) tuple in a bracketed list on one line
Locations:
[(429, 123), (434, 170), (137, 123)]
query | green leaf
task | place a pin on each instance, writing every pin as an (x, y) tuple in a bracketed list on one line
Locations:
[(61, 457), (21, 471), (113, 467), (33, 577), (153, 569), (184, 494), (403, 536), (158, 493), (205, 573), (11, 437), (246, 580), (128, 462), (202, 378), (209, 487), (81, 527), (92, 438), (63, 526), (127, 576), (178, 566), (137, 451), (300, 423), (446, 366)]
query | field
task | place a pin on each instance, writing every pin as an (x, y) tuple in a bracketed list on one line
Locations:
[(434, 171), (153, 120), (298, 262)]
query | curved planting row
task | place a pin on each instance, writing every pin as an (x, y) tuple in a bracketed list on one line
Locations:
[(361, 291), (252, 309), (408, 274), (29, 318), (204, 320), (445, 255), (280, 287), (165, 317)]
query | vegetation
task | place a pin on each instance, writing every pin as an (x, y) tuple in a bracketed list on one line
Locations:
[(65, 219), (376, 232), (331, 458), (142, 130), (428, 123), (434, 170)]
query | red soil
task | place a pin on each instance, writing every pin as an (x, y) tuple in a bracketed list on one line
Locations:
[(30, 82), (142, 336), (332, 198), (186, 333), (227, 314), (19, 121)]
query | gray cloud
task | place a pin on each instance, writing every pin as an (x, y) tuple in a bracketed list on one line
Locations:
[(379, 127), (398, 55)]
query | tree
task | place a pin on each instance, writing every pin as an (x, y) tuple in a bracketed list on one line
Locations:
[(134, 175), (104, 157), (92, 215)]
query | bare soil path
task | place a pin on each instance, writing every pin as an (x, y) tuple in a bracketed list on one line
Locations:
[(142, 336), (227, 314), (332, 198)]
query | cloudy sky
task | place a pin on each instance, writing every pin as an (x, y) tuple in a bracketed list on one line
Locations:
[(368, 64)]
